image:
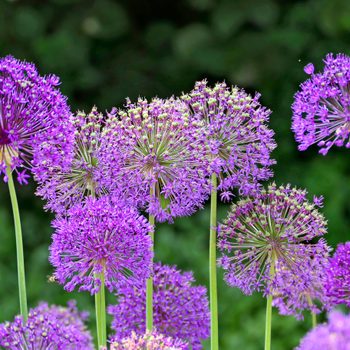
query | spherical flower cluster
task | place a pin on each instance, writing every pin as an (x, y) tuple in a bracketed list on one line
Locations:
[(321, 107), (338, 275), (180, 309), (149, 341), (100, 239), (156, 157), (303, 289), (47, 327), (36, 133), (335, 335), (66, 187), (269, 233), (239, 139)]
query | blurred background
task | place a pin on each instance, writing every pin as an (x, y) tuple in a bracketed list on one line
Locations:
[(107, 50)]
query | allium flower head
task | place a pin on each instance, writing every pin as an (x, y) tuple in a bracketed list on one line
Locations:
[(65, 187), (35, 128), (149, 341), (296, 290), (47, 327), (101, 237), (275, 227), (334, 335), (180, 309), (321, 109), (239, 139), (155, 147), (338, 275)]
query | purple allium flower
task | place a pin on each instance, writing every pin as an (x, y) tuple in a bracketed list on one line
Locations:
[(66, 187), (277, 226), (101, 237), (334, 335), (296, 290), (180, 309), (239, 139), (321, 109), (47, 327), (149, 341), (338, 275), (155, 145), (36, 133)]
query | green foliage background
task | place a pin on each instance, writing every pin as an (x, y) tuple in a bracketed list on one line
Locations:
[(107, 50)]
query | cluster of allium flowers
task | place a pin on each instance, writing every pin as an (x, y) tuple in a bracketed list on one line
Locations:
[(35, 128), (266, 234), (180, 309), (156, 157), (47, 327), (100, 237), (65, 187), (302, 289), (321, 109), (149, 341), (338, 275), (334, 335), (239, 139)]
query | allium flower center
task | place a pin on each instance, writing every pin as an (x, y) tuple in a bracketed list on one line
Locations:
[(81, 175), (158, 150), (7, 152), (339, 114), (4, 139)]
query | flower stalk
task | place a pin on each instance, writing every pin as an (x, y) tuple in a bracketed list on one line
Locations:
[(268, 320), (19, 246), (100, 303), (100, 307), (149, 283), (212, 266), (313, 315)]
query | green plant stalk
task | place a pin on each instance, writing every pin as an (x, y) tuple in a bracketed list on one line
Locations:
[(100, 307), (100, 302), (313, 315), (214, 324), (314, 319), (269, 310), (149, 283), (19, 246)]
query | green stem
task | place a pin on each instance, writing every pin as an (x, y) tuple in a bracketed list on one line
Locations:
[(100, 307), (313, 315), (269, 310), (212, 267), (100, 303), (19, 246), (149, 283), (268, 323), (314, 319)]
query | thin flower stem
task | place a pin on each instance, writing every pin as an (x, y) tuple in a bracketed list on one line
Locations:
[(269, 310), (149, 283), (19, 246), (98, 318), (212, 267), (100, 307), (268, 323), (314, 319), (313, 315), (100, 304)]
